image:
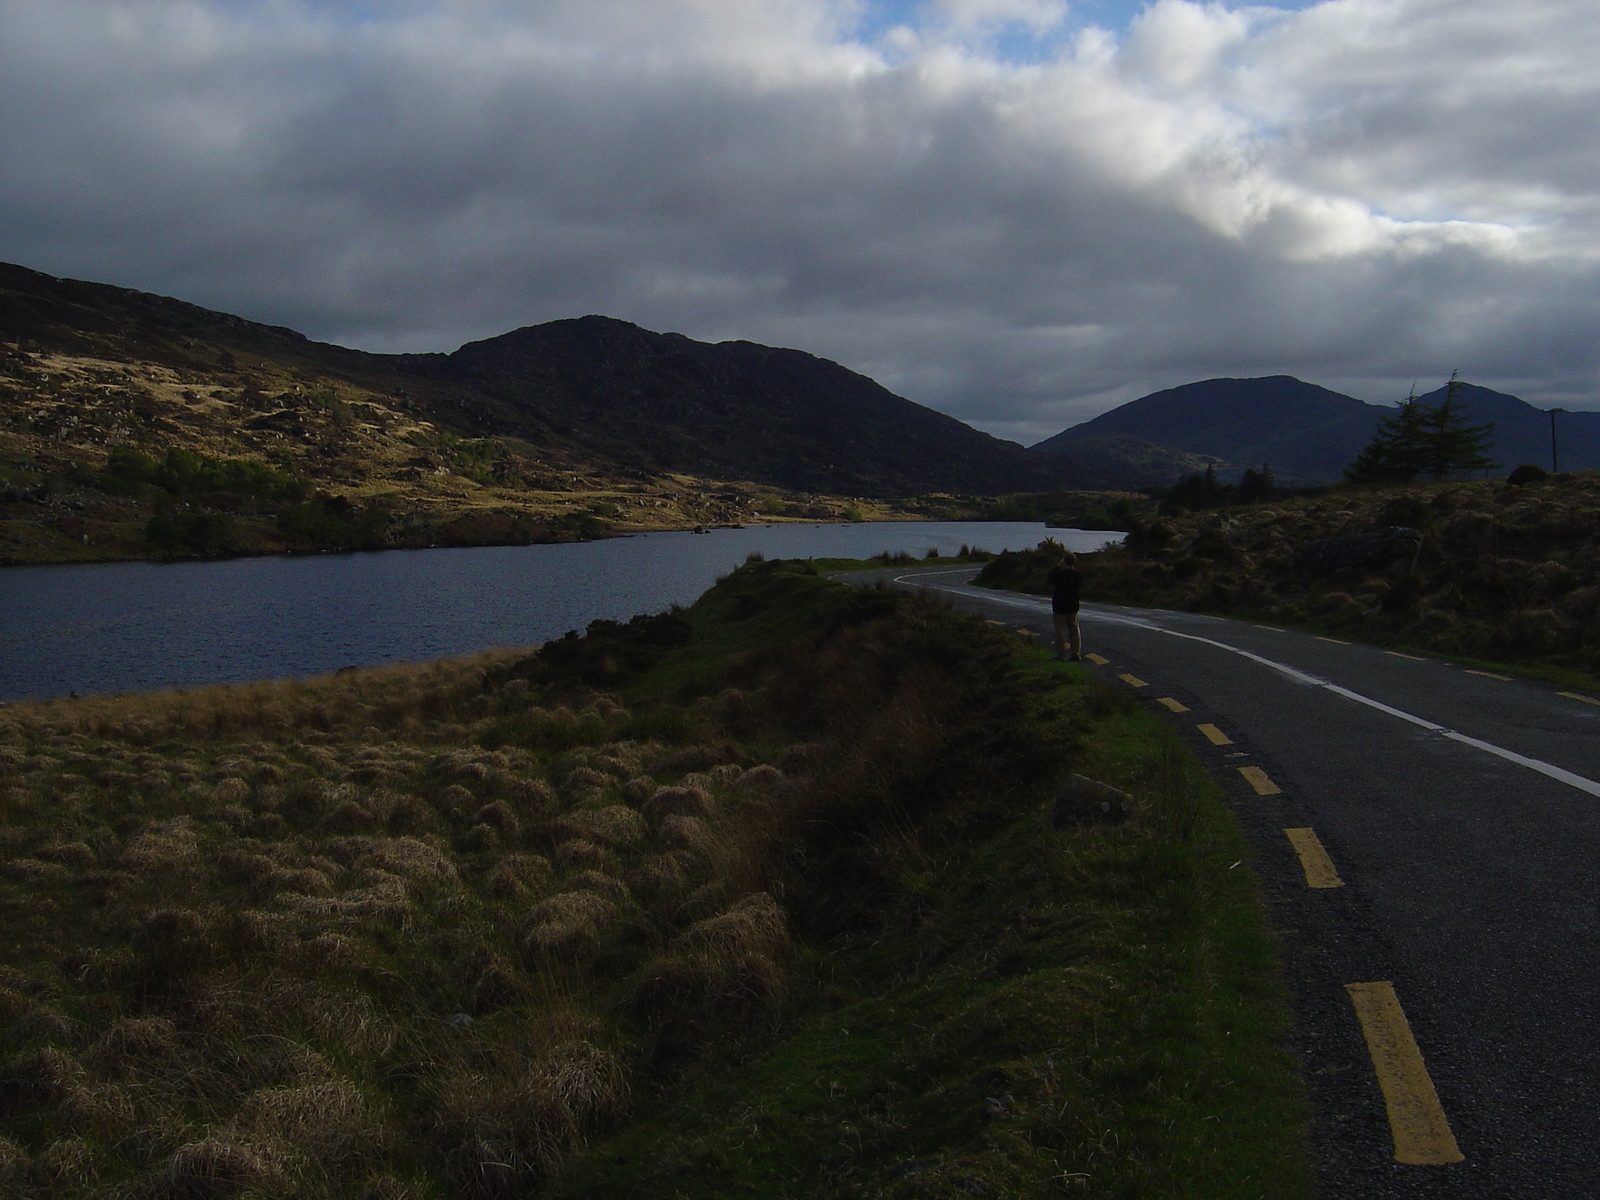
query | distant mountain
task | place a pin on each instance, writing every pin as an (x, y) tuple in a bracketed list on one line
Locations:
[(594, 393), (1522, 432), (732, 409), (1302, 431), (1118, 462)]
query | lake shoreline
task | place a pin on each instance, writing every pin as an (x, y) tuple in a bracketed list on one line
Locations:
[(448, 536), (116, 627), (564, 539)]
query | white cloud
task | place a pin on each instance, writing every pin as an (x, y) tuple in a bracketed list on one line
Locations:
[(1362, 192)]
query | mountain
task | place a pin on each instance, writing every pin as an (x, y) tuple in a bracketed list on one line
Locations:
[(1304, 432), (1522, 432), (592, 393), (1119, 462), (735, 410)]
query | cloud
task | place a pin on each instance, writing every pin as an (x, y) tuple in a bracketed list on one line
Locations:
[(1360, 192)]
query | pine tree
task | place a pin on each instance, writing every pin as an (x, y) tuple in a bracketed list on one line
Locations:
[(1420, 439), (1450, 444), (1396, 452), (1256, 486)]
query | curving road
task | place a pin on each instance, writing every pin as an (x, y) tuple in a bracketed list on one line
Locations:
[(1445, 860)]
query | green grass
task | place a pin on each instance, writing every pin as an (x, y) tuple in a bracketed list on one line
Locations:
[(1091, 1012), (752, 898)]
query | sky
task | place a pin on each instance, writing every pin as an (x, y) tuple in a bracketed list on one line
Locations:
[(1018, 212)]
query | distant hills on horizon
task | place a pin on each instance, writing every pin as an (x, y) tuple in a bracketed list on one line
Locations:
[(1305, 433), (601, 390)]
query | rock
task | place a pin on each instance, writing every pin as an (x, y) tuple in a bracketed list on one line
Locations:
[(1393, 545), (1082, 801)]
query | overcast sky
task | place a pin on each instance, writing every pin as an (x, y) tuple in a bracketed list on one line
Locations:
[(1020, 212)]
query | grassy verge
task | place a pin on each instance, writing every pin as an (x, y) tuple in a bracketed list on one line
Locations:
[(755, 897), (1089, 1012)]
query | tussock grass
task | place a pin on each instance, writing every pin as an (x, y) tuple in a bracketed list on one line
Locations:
[(1025, 1011), (432, 931)]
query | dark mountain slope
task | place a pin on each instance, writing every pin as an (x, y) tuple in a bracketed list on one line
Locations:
[(1522, 432), (1302, 430), (591, 387), (1306, 432), (1118, 462), (733, 409), (70, 315)]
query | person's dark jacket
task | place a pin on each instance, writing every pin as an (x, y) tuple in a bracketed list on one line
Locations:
[(1064, 582)]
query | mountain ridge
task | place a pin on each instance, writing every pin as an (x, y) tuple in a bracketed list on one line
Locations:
[(824, 427), (568, 430), (1308, 433), (597, 386)]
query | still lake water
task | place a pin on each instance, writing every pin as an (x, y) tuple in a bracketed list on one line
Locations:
[(122, 627)]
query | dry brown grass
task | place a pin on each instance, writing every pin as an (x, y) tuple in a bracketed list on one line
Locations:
[(217, 1167), (317, 939)]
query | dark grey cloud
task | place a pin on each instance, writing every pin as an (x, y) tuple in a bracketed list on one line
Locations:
[(1362, 192)]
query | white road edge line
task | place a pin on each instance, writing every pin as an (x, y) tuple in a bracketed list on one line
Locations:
[(1560, 774)]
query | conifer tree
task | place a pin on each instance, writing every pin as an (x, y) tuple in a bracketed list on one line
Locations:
[(1255, 486), (1449, 443), (1421, 439), (1396, 452)]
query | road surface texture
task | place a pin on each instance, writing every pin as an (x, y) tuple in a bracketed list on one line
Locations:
[(1429, 839)]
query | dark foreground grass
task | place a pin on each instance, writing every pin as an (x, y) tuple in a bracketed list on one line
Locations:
[(1087, 1012), (755, 898)]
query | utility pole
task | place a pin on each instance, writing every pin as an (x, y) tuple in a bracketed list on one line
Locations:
[(1555, 460)]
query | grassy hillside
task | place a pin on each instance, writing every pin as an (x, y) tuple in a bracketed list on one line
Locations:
[(758, 898), (1505, 573), (103, 456), (567, 430)]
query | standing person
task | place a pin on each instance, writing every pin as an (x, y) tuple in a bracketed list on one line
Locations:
[(1065, 580)]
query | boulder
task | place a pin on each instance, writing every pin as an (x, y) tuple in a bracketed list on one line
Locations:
[(1083, 801)]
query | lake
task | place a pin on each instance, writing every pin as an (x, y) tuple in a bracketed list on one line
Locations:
[(121, 627)]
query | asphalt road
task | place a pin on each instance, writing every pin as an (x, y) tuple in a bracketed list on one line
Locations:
[(1461, 812)]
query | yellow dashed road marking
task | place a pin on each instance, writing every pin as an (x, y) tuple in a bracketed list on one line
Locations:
[(1169, 703), (992, 621), (1214, 735), (1490, 675), (1335, 641), (1132, 680), (1578, 696), (1422, 1136), (1097, 660), (1257, 778), (1412, 657), (1319, 868)]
